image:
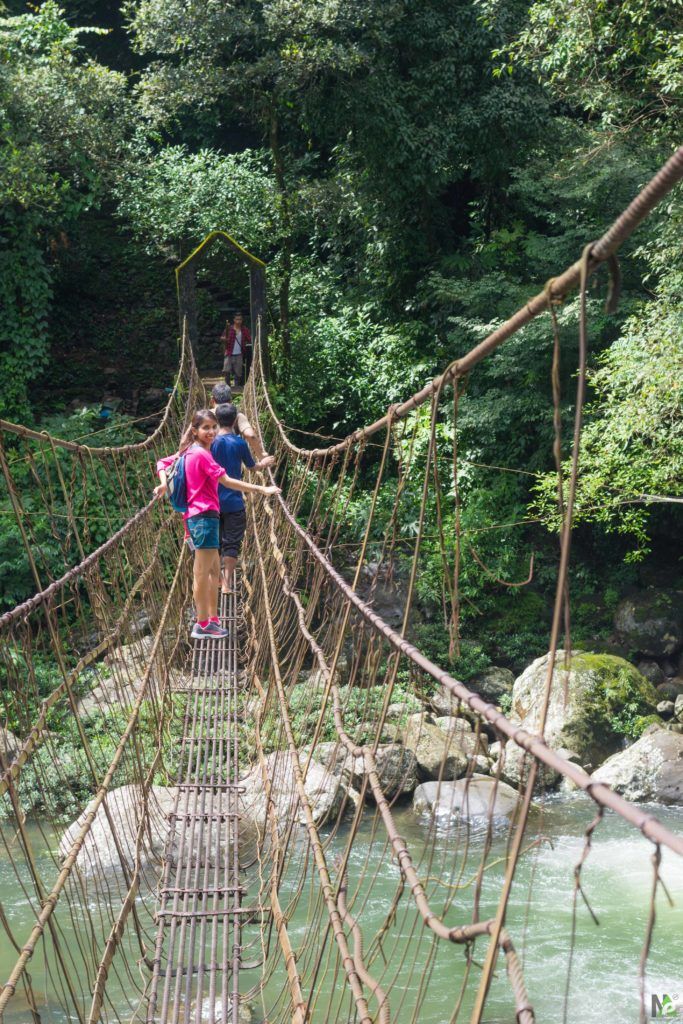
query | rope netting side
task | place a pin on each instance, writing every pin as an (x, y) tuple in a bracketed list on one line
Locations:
[(88, 723), (344, 693), (68, 498), (603, 250)]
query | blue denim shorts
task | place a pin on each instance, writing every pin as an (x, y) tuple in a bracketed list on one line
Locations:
[(204, 531)]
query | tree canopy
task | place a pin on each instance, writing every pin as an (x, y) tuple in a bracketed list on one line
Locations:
[(411, 172)]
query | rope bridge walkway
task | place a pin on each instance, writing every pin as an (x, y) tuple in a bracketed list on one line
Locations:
[(219, 832)]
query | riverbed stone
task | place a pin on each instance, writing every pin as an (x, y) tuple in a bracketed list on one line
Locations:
[(385, 591), (399, 711), (336, 759), (651, 670), (462, 732), (437, 754), (678, 708), (324, 790), (670, 689), (99, 854), (454, 724), (444, 703), (397, 768), (117, 682), (666, 708), (651, 622), (584, 702), (481, 764), (472, 798), (111, 692), (493, 683), (315, 678), (651, 769)]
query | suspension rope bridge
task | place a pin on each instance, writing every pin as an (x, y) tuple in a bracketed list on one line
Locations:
[(239, 847)]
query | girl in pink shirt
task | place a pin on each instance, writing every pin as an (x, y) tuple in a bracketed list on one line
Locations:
[(202, 519)]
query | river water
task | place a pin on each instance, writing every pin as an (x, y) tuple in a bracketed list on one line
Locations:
[(617, 876)]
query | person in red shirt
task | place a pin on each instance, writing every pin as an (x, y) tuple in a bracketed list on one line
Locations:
[(237, 340), (202, 518)]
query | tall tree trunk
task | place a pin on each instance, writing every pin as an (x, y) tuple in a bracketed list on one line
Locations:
[(287, 242)]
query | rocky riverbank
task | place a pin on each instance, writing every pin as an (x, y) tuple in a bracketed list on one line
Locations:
[(620, 719)]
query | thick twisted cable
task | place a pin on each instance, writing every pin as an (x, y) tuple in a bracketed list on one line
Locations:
[(601, 250), (104, 453)]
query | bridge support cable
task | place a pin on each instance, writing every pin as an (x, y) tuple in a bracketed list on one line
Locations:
[(67, 496), (599, 792), (75, 842), (84, 665), (460, 934), (346, 638), (101, 726), (603, 250)]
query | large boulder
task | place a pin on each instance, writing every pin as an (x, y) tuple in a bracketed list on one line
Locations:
[(110, 692), (476, 797), (117, 682), (678, 707), (651, 622), (460, 730), (651, 769), (325, 792), (670, 689), (118, 822), (445, 704), (651, 670), (583, 714), (438, 754), (336, 759), (397, 769), (493, 683), (386, 591), (400, 711), (124, 806)]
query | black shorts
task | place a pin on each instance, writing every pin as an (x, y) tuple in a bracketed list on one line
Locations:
[(233, 525)]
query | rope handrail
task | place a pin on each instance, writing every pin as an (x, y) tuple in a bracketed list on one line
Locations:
[(601, 251), (36, 600), (598, 791), (20, 430)]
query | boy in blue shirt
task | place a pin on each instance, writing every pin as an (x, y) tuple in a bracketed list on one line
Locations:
[(232, 452)]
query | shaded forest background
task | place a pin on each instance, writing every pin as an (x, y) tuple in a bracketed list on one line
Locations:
[(412, 172)]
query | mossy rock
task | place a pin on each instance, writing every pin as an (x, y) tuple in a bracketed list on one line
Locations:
[(651, 622), (612, 701), (596, 703)]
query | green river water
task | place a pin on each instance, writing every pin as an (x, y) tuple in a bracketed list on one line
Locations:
[(618, 880)]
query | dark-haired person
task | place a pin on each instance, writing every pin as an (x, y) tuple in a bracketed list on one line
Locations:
[(222, 395), (202, 518), (237, 340), (232, 453)]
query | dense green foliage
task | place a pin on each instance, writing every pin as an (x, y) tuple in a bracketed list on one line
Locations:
[(50, 528), (412, 172)]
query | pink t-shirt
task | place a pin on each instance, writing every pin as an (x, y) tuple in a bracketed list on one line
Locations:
[(201, 473)]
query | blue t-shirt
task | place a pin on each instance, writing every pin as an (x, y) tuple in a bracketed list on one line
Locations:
[(231, 452)]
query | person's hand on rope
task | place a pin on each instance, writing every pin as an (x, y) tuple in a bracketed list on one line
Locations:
[(161, 487), (264, 462), (272, 489)]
